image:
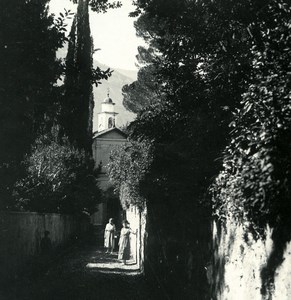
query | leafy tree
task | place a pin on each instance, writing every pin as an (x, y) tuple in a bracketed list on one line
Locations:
[(261, 123), (212, 56), (100, 5), (145, 85), (201, 76), (198, 94), (29, 69), (127, 167), (59, 178), (29, 95)]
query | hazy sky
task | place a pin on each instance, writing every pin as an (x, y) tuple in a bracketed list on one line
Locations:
[(113, 32)]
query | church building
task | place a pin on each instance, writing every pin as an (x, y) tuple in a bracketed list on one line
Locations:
[(107, 137)]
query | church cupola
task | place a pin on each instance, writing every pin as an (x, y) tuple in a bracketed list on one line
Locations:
[(107, 116)]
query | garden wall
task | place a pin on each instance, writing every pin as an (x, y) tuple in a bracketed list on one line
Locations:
[(21, 234), (137, 220), (239, 260)]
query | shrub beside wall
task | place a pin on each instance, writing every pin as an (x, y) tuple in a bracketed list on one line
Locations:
[(21, 234)]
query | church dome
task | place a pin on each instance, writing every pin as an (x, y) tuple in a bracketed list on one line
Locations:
[(108, 100)]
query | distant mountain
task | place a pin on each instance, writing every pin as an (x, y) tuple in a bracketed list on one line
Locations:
[(115, 83), (128, 73)]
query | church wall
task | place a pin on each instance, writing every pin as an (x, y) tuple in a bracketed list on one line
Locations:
[(102, 148)]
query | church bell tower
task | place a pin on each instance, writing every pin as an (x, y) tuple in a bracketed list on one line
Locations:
[(107, 116)]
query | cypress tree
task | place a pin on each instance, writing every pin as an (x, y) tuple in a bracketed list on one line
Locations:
[(77, 108)]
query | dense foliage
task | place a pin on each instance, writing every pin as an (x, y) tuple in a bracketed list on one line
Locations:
[(29, 38), (127, 167), (214, 58), (216, 63), (145, 90), (32, 177), (201, 75), (254, 186), (255, 182), (201, 65), (59, 178), (100, 5)]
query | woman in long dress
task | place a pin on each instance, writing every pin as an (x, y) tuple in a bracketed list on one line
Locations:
[(109, 241), (124, 242)]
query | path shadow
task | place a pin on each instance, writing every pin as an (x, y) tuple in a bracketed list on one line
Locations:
[(109, 263), (84, 272)]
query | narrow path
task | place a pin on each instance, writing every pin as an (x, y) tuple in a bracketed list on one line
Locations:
[(84, 273)]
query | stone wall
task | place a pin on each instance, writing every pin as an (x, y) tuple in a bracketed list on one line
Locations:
[(238, 262), (21, 234), (137, 220)]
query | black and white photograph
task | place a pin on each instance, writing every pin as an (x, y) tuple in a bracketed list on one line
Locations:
[(145, 150)]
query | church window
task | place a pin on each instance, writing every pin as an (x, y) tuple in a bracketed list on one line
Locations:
[(110, 122)]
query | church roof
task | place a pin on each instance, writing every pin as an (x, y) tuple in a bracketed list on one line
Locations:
[(102, 133), (108, 100)]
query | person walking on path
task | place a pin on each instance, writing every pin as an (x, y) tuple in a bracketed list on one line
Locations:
[(109, 233), (124, 242)]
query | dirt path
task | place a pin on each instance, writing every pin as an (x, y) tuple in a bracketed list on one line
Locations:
[(84, 273)]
